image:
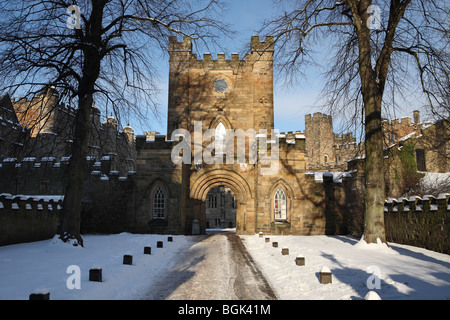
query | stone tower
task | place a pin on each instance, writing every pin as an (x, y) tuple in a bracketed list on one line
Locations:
[(319, 138), (39, 113), (237, 93)]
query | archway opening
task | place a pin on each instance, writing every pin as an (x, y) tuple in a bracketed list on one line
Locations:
[(220, 209)]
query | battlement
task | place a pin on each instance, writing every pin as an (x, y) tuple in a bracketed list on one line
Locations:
[(419, 221), (34, 203), (28, 218), (158, 141), (258, 45), (291, 139), (349, 145), (185, 46), (318, 116), (48, 175), (207, 57), (416, 204), (403, 121), (328, 177), (180, 46)]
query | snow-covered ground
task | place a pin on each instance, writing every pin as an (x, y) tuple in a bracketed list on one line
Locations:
[(399, 271), (405, 272), (43, 265)]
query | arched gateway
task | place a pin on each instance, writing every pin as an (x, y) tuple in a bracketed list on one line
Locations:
[(208, 100), (205, 180)]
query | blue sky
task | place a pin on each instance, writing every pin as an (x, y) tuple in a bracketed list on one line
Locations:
[(291, 104)]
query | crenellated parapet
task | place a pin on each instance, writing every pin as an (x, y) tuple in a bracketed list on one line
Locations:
[(48, 175), (158, 142), (417, 221), (427, 203), (267, 45), (180, 46), (21, 204), (25, 218), (292, 140), (182, 50)]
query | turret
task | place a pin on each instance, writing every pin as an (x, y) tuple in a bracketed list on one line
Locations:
[(129, 133)]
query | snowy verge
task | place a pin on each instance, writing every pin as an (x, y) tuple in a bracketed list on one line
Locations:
[(32, 267), (396, 272)]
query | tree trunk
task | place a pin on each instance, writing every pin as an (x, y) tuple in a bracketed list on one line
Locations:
[(374, 173), (71, 218), (372, 92), (71, 215)]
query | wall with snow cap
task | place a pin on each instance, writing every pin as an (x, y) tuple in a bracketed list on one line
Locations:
[(32, 191), (422, 222), (25, 218), (48, 175)]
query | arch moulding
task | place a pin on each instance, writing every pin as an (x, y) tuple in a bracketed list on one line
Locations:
[(209, 179)]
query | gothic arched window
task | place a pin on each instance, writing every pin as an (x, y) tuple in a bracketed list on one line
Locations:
[(280, 205), (220, 139), (159, 204)]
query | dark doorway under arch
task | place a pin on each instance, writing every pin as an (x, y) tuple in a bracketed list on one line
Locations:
[(220, 208)]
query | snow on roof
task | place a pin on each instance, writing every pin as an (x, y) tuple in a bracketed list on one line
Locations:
[(407, 136), (337, 176)]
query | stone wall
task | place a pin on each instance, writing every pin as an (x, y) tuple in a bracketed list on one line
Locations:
[(32, 192), (48, 175), (155, 169), (422, 222), (26, 218), (42, 127)]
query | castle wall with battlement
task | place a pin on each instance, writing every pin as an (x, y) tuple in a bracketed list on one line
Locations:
[(41, 127), (235, 93), (48, 175), (27, 218), (396, 129), (422, 222), (326, 150), (32, 197)]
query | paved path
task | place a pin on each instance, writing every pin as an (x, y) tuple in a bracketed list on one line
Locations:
[(215, 267)]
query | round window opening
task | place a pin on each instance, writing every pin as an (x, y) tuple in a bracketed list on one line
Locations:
[(220, 85)]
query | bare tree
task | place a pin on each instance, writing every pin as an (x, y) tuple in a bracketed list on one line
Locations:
[(102, 50), (377, 54)]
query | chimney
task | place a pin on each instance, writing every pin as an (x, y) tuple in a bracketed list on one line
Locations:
[(416, 116)]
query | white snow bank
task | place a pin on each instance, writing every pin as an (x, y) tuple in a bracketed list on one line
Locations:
[(432, 180), (379, 246), (27, 267), (402, 272)]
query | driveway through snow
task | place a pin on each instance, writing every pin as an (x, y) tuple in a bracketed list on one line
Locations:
[(216, 267)]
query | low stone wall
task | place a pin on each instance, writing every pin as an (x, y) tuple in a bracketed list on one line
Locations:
[(28, 218), (422, 222)]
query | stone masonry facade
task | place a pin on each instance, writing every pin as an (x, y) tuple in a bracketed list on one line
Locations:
[(278, 185)]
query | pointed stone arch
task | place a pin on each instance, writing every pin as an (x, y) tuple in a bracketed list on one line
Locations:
[(220, 118), (200, 186)]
